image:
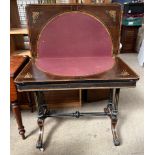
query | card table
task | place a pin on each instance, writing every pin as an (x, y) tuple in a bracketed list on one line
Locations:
[(75, 47)]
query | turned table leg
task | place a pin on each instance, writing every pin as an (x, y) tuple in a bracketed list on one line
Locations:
[(114, 119), (17, 114), (112, 109), (114, 132), (41, 132), (42, 110)]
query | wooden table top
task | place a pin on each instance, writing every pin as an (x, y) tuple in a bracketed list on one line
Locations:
[(31, 75)]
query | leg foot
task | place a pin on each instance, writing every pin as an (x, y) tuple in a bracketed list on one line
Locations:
[(116, 142), (114, 133), (112, 110), (41, 149), (39, 144), (42, 110), (22, 133), (17, 114)]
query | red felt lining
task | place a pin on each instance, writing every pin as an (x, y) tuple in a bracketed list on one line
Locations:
[(74, 44), (82, 66)]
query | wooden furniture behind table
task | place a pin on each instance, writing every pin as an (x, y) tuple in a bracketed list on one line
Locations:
[(16, 65), (34, 80), (129, 39)]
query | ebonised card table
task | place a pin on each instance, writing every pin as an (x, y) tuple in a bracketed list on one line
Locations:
[(36, 81), (75, 47)]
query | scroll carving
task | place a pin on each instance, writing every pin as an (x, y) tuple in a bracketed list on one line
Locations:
[(28, 75), (124, 73), (35, 16), (112, 14)]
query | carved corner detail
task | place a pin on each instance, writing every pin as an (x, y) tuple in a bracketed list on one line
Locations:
[(28, 75), (112, 14), (35, 16), (124, 73)]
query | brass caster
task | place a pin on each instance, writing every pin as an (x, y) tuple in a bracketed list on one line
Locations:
[(116, 142), (41, 149), (40, 146)]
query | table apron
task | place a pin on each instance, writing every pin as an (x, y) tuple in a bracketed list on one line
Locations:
[(74, 86)]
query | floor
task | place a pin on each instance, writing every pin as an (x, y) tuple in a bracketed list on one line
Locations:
[(89, 136)]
